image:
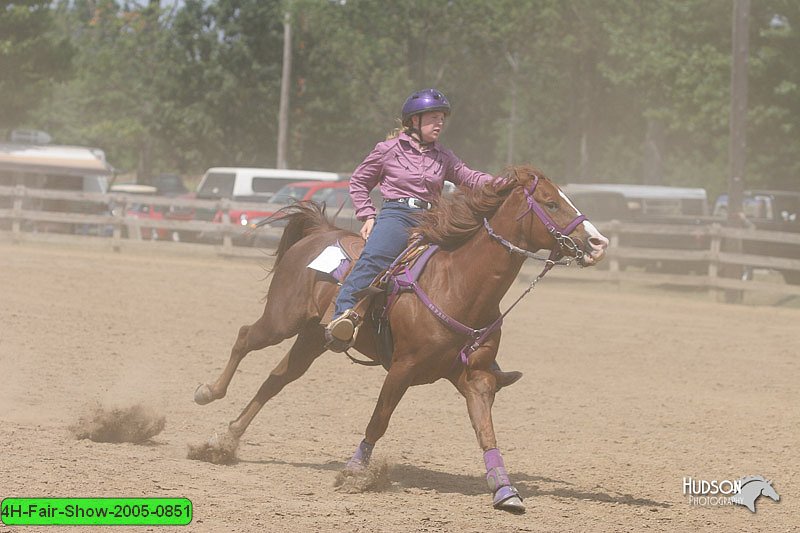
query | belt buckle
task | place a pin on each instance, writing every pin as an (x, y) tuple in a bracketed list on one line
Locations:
[(419, 204)]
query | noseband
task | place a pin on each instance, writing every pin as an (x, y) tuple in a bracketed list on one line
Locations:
[(567, 247)]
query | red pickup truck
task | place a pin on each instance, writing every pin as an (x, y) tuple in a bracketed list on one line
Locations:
[(334, 194)]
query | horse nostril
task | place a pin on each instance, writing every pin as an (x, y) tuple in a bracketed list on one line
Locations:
[(600, 243)]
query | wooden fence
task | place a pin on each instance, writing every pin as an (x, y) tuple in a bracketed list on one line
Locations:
[(709, 259), (111, 218), (640, 262)]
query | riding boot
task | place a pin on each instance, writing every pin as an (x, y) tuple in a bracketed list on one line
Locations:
[(504, 379), (340, 332)]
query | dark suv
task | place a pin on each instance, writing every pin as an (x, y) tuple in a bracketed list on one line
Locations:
[(169, 185)]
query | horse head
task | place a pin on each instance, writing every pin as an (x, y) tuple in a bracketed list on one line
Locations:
[(552, 221), (751, 488), (769, 491)]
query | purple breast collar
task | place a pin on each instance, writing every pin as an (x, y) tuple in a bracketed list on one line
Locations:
[(405, 280)]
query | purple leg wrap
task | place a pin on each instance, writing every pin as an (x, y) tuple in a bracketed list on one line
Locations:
[(360, 459), (493, 459), (497, 477)]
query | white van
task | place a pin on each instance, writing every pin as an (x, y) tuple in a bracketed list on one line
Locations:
[(254, 184), (650, 200), (73, 168), (60, 168)]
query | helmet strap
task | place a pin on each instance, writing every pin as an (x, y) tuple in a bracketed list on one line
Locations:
[(416, 132)]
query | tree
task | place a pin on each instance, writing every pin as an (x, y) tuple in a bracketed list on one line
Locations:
[(32, 58), (222, 89), (357, 61), (774, 95), (600, 90)]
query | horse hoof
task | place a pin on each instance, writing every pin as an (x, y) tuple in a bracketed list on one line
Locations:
[(354, 467), (507, 499), (203, 394), (512, 505)]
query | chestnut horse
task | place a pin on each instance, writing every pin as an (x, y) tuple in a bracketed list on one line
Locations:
[(485, 235)]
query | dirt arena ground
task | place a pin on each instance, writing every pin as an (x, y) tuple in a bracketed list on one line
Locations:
[(626, 392)]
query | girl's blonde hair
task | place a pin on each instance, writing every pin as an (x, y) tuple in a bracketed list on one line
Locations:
[(400, 128)]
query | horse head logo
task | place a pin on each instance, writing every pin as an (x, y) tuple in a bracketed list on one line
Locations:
[(752, 488)]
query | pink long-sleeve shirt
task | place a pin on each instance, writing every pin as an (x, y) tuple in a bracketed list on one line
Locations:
[(404, 171)]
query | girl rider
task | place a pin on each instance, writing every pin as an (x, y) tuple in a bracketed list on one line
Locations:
[(411, 169)]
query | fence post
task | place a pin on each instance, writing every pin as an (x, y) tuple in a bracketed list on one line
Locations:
[(227, 243), (16, 222), (119, 218), (131, 223), (713, 260), (613, 245)]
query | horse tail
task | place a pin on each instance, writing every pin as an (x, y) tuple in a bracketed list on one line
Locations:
[(303, 219)]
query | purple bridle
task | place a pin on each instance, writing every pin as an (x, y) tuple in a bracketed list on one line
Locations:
[(560, 234), (549, 223)]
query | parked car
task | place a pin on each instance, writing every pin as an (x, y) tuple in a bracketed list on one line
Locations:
[(332, 193), (58, 168), (169, 185), (769, 210), (312, 190), (651, 200), (146, 210), (600, 206), (172, 185), (779, 209), (649, 204), (253, 185), (335, 196)]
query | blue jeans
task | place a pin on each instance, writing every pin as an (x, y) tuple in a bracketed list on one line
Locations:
[(389, 237)]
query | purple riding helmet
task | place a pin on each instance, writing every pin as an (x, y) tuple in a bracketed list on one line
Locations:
[(423, 101)]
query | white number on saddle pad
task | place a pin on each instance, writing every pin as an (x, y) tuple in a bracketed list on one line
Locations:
[(329, 260)]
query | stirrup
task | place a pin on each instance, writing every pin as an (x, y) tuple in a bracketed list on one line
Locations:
[(340, 333)]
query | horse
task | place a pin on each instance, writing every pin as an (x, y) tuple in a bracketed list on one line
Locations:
[(752, 488), (485, 235)]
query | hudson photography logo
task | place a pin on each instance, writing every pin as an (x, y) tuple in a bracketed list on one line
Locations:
[(743, 491)]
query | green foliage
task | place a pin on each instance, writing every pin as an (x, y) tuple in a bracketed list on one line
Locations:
[(32, 58), (620, 90)]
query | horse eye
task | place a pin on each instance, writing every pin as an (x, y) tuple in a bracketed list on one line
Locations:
[(552, 206)]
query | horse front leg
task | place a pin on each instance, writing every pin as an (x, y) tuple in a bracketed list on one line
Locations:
[(397, 381), (478, 388)]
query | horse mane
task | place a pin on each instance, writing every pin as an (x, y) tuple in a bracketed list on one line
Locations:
[(304, 218), (459, 216)]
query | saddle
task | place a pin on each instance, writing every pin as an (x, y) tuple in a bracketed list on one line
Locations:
[(381, 294), (387, 287), (352, 246)]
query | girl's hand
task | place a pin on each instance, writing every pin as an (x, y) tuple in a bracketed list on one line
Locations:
[(366, 229)]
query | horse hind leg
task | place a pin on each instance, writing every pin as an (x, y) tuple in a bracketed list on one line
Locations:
[(309, 345), (262, 333)]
